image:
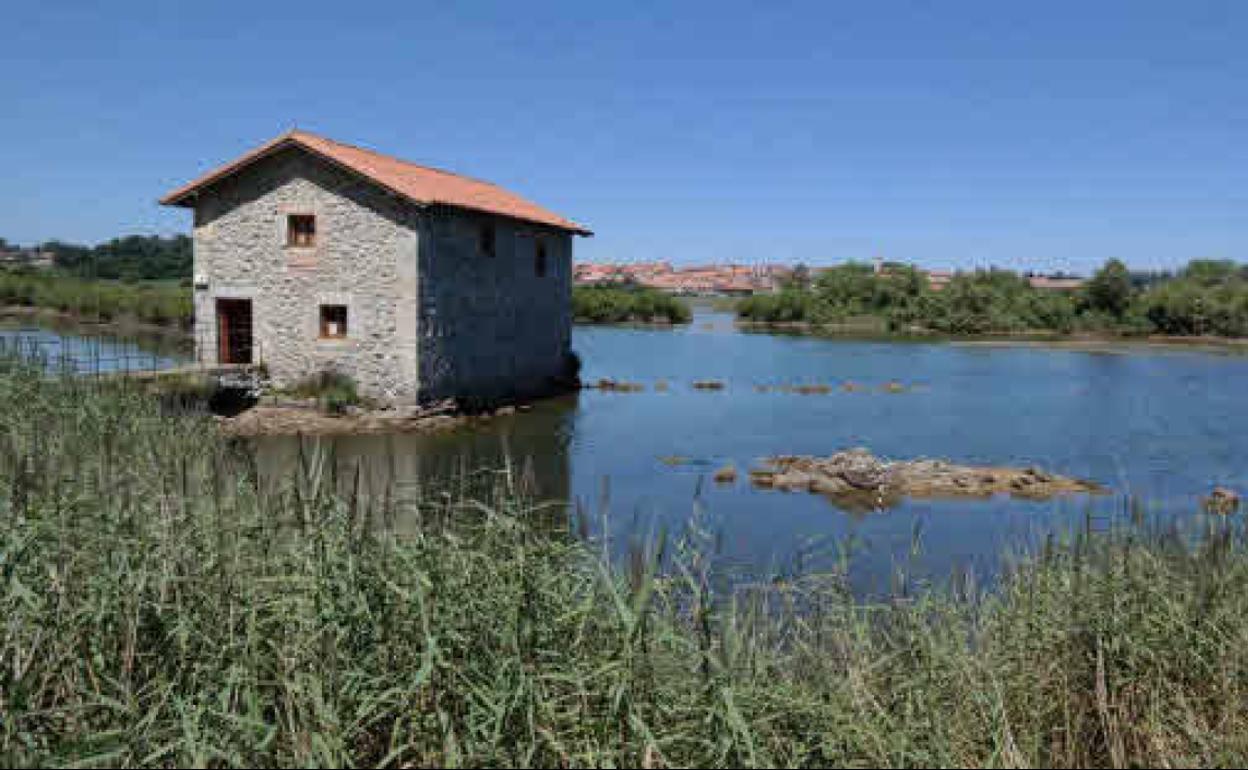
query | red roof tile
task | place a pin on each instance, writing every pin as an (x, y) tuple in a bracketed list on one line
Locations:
[(420, 184)]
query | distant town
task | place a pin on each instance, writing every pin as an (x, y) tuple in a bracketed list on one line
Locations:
[(16, 256), (734, 279)]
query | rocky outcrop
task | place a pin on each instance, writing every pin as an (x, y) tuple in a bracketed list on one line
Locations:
[(858, 479)]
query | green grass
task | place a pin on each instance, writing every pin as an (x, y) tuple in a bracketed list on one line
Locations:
[(161, 606), (165, 303), (623, 304)]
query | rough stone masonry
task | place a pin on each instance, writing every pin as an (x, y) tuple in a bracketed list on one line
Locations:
[(440, 301)]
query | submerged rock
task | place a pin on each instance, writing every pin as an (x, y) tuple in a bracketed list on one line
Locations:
[(815, 389), (1222, 501), (857, 479), (617, 386)]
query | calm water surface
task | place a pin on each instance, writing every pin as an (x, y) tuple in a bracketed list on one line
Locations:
[(1160, 426), (92, 353)]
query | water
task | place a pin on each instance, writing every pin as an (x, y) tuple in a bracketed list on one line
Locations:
[(67, 348), (1161, 426)]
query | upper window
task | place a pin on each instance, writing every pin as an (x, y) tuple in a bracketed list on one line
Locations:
[(333, 321), (300, 230), (485, 239), (539, 258)]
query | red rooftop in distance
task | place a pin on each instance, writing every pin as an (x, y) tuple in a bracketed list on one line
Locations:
[(420, 184)]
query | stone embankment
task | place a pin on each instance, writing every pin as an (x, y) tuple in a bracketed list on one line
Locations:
[(859, 479), (291, 417)]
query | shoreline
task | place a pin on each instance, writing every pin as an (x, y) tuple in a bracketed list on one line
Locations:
[(1086, 341), (1080, 341)]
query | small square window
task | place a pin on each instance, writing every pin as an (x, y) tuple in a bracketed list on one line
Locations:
[(333, 321), (301, 230), (539, 258), (485, 239)]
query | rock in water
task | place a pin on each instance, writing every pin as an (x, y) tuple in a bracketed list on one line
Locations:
[(1222, 500), (857, 479)]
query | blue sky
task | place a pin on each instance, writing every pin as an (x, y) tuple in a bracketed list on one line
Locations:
[(1034, 135)]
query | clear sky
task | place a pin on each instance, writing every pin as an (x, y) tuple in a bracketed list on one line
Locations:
[(1044, 135)]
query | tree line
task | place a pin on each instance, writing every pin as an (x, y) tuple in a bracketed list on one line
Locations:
[(625, 302), (130, 258), (1207, 297)]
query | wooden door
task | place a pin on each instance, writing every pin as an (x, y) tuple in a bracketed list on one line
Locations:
[(234, 331)]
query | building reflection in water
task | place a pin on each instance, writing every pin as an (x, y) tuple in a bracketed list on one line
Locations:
[(526, 452)]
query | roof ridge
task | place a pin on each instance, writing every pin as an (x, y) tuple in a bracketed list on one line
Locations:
[(293, 132), (416, 181)]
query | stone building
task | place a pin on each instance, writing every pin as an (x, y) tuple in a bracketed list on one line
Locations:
[(312, 256)]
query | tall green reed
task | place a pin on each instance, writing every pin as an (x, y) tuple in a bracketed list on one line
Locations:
[(162, 606)]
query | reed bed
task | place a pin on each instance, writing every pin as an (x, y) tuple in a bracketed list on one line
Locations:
[(160, 606)]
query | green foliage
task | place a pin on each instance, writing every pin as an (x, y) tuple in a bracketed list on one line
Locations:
[(787, 305), (333, 390), (164, 606), (1206, 298), (626, 303), (160, 303), (132, 258), (1109, 291)]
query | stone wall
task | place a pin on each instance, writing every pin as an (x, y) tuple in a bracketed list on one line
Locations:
[(429, 314), (490, 326), (364, 258)]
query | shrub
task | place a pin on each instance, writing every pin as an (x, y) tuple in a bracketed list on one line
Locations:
[(333, 390), (624, 303)]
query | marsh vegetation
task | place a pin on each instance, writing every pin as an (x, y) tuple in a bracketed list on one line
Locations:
[(625, 303), (162, 607), (1206, 298)]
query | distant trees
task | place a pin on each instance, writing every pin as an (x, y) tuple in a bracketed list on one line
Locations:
[(625, 302), (132, 258), (801, 276), (1205, 298), (1109, 291)]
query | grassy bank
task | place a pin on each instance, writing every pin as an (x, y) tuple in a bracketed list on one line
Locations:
[(160, 303), (625, 304), (162, 607), (1206, 298)]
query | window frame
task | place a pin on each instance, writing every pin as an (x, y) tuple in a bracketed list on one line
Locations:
[(295, 236), (324, 312), (487, 239), (541, 258)]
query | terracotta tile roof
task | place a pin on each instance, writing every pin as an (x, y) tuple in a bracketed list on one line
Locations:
[(420, 184), (1061, 284)]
